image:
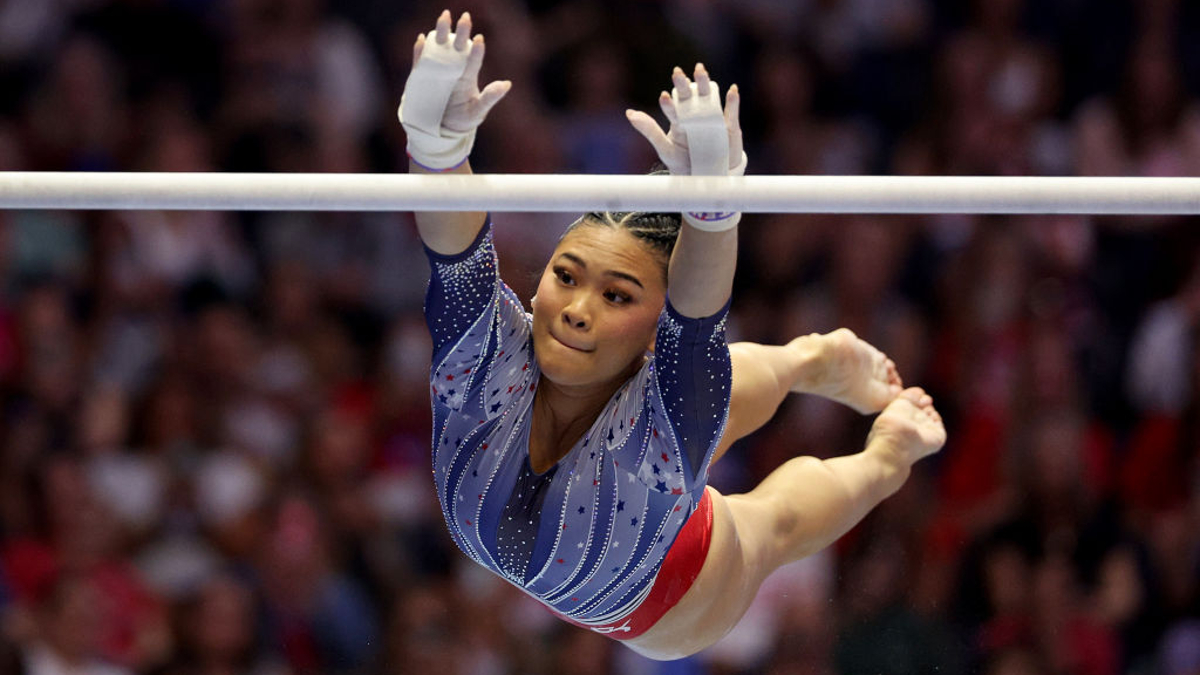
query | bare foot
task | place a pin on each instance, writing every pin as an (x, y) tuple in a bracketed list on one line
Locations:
[(849, 370), (910, 426)]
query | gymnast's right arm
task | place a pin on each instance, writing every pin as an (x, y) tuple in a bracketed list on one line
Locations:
[(441, 108)]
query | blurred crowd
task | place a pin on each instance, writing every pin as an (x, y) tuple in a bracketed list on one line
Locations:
[(214, 442)]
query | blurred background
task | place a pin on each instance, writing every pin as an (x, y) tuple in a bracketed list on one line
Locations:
[(214, 427)]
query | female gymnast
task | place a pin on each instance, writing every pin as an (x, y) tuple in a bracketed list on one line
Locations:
[(572, 444)]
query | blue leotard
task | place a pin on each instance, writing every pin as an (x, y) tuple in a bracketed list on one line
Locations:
[(587, 537)]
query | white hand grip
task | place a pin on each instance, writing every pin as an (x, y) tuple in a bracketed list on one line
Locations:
[(703, 124), (426, 95)]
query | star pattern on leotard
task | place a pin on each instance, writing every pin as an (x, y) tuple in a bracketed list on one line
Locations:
[(576, 555)]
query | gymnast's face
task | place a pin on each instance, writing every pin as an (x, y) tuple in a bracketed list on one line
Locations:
[(597, 307)]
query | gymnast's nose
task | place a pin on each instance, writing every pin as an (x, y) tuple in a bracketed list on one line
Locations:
[(576, 314)]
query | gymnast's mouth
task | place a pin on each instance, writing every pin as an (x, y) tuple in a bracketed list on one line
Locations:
[(570, 346)]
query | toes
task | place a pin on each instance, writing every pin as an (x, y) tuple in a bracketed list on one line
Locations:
[(893, 374), (880, 367)]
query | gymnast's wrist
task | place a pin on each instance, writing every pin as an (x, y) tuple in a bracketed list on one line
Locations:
[(432, 146), (445, 151), (713, 221), (718, 221)]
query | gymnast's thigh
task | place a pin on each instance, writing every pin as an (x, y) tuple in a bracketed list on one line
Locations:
[(733, 570)]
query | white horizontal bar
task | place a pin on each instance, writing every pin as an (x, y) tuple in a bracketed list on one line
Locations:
[(575, 193)]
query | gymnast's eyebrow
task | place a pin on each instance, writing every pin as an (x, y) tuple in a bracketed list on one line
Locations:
[(612, 273)]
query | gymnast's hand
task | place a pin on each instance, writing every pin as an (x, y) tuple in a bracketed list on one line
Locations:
[(701, 141), (442, 104)]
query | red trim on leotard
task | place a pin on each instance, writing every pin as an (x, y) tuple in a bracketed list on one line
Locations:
[(679, 570)]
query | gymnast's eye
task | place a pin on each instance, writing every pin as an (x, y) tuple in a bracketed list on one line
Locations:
[(564, 276), (617, 297)]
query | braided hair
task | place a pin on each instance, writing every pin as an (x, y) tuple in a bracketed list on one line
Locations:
[(658, 230)]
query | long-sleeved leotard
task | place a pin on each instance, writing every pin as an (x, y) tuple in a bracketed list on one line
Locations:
[(588, 537)]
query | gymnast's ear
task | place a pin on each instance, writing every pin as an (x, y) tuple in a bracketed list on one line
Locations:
[(650, 349), (533, 300)]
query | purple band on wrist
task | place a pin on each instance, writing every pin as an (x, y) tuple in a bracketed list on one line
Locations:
[(713, 217), (430, 168)]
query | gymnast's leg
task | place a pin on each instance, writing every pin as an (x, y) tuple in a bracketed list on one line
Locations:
[(839, 366), (803, 506)]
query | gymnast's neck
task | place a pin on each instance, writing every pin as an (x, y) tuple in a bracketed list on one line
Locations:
[(563, 414)]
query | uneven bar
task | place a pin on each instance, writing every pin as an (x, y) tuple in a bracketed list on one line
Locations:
[(576, 193)]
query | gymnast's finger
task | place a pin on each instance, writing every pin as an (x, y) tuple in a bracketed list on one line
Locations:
[(733, 105), (648, 128), (667, 105), (418, 47), (492, 94), (683, 88), (463, 32), (703, 83), (474, 59), (443, 27)]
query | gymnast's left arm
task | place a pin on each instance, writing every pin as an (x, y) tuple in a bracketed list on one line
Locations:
[(702, 140)]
